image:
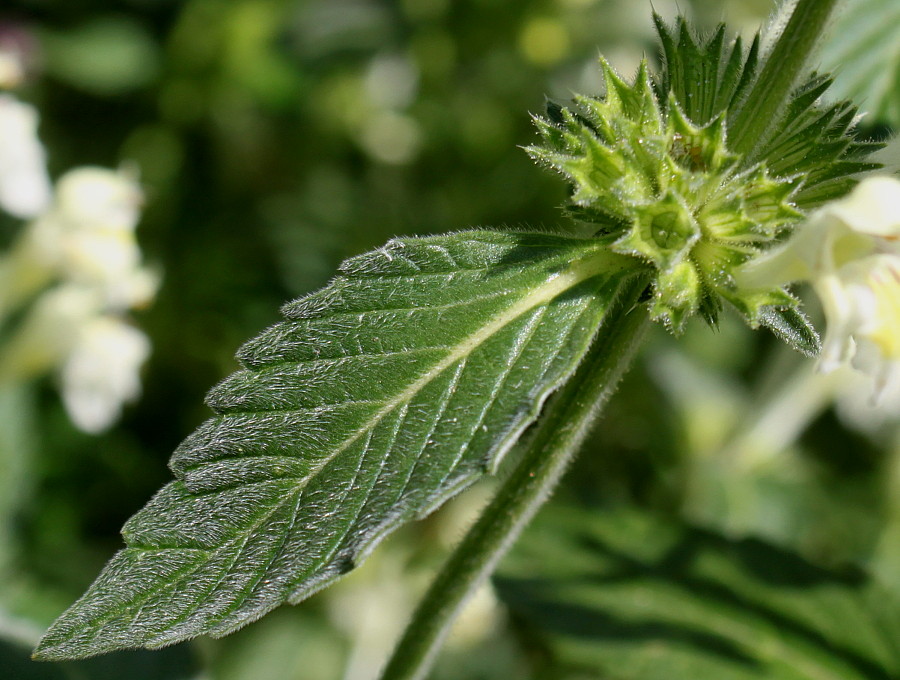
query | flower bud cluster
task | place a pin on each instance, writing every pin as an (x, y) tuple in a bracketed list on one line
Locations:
[(653, 173), (667, 191)]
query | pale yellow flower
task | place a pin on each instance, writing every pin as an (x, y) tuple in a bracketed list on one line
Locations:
[(72, 274), (96, 355), (849, 251), (88, 236), (48, 332)]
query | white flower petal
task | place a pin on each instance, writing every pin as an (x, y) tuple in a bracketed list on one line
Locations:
[(862, 406), (97, 199), (838, 344), (850, 251), (24, 184), (88, 238), (102, 372), (873, 207)]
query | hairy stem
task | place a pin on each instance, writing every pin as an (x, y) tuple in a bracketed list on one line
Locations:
[(562, 428), (786, 62)]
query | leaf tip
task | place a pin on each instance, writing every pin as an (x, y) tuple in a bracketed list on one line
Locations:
[(57, 650)]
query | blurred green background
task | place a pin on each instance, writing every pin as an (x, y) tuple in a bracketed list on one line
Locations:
[(274, 138)]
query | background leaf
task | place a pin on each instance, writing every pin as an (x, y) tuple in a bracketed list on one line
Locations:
[(626, 595), (376, 399), (864, 52), (177, 663)]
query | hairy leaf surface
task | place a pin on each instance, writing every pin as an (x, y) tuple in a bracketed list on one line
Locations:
[(641, 598), (376, 399)]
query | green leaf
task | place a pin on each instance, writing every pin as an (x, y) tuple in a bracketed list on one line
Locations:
[(105, 56), (705, 76), (816, 145), (378, 397), (791, 326), (864, 52), (629, 596)]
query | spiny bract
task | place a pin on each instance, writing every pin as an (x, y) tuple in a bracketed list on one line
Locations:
[(651, 169)]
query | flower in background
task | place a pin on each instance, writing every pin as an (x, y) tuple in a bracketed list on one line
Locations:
[(102, 371), (24, 184), (71, 276), (88, 236), (850, 252), (11, 70)]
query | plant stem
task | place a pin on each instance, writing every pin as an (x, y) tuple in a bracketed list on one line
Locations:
[(785, 63), (562, 429), (16, 450)]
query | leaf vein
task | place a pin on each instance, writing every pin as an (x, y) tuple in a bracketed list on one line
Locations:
[(518, 349), (313, 319), (552, 287), (445, 400)]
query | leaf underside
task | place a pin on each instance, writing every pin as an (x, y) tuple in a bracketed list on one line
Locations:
[(642, 598), (376, 399)]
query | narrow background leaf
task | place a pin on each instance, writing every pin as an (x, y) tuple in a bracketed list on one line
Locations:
[(864, 52), (626, 595)]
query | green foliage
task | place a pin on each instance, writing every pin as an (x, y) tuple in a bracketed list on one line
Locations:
[(108, 56), (816, 147), (652, 170), (666, 191), (633, 596), (376, 399), (791, 326), (178, 663), (260, 130), (864, 53), (705, 77), (274, 140)]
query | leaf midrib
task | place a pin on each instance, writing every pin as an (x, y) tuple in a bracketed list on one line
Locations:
[(591, 262), (337, 542), (579, 270)]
